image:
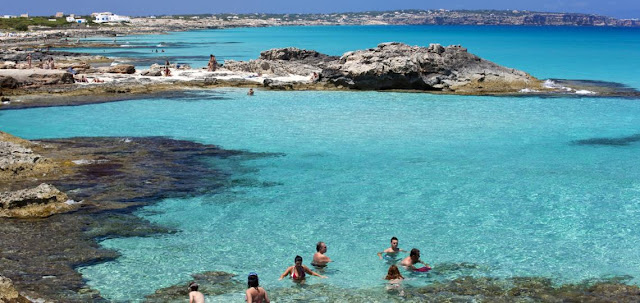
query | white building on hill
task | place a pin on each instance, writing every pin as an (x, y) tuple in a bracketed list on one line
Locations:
[(109, 17)]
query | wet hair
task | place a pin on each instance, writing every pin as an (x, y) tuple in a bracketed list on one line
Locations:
[(393, 238), (252, 280), (393, 273), (193, 286), (319, 245), (299, 269), (414, 252)]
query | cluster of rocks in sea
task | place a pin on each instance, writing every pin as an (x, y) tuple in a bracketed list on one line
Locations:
[(395, 66)]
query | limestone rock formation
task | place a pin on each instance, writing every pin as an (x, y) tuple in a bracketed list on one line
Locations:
[(283, 62), (41, 201), (8, 82), (122, 69), (395, 66), (17, 159), (8, 294), (400, 66), (35, 77)]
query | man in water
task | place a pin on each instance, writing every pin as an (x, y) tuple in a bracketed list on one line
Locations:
[(391, 252), (413, 259), (250, 93), (194, 295), (319, 258)]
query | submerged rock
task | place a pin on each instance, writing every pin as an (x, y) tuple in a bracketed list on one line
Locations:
[(529, 289), (114, 177), (211, 283), (41, 201)]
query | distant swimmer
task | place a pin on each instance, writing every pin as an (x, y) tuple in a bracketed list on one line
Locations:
[(194, 295), (319, 258), (298, 271), (255, 293), (391, 252), (413, 259), (250, 92)]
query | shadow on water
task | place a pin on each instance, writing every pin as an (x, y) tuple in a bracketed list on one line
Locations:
[(621, 141)]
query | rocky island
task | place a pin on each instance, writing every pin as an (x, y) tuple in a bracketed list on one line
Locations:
[(389, 66)]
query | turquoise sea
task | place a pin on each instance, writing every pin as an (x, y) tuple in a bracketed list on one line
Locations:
[(499, 182)]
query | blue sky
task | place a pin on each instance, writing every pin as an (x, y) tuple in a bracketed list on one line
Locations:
[(613, 8)]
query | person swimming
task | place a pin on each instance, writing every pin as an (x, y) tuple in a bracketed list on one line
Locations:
[(413, 259), (194, 295), (319, 258), (395, 280), (391, 253), (255, 293), (298, 272)]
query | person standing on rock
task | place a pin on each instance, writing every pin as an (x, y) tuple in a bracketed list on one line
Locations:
[(213, 64), (29, 60), (194, 295), (167, 72)]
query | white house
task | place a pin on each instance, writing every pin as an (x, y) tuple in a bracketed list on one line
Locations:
[(109, 17)]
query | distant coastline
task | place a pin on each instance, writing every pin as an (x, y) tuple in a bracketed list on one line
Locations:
[(147, 24)]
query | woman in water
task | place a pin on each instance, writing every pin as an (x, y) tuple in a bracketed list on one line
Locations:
[(299, 271), (255, 293), (395, 279)]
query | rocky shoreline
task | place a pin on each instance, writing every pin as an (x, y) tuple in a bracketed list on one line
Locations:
[(388, 67), (107, 179)]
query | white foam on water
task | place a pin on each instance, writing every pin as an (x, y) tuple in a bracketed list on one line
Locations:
[(585, 92), (82, 162), (72, 202)]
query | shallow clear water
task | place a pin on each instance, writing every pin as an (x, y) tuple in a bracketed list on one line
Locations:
[(497, 182)]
